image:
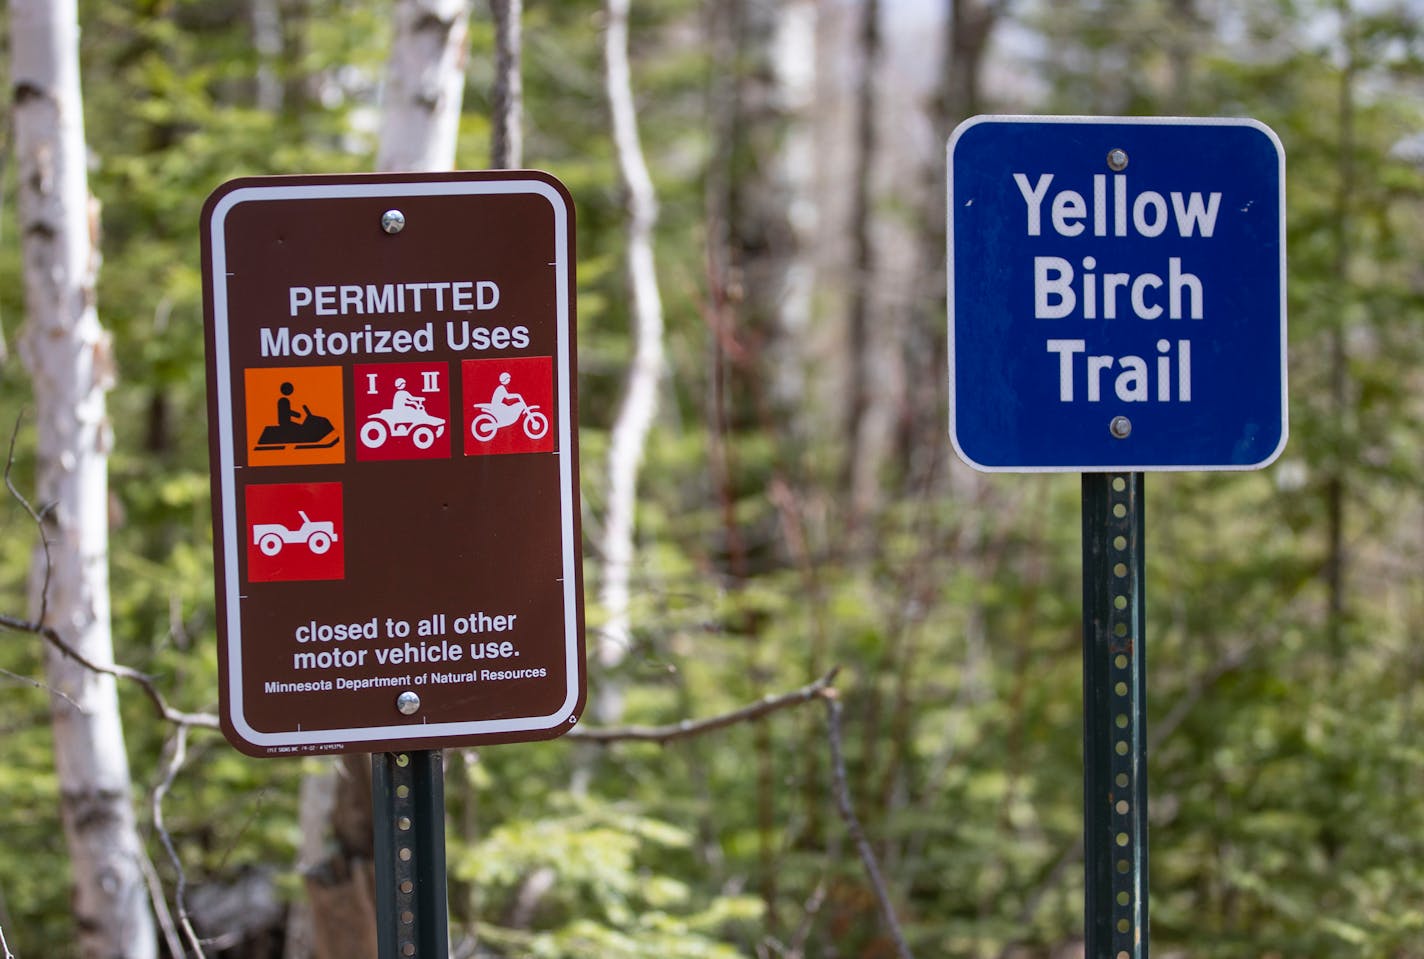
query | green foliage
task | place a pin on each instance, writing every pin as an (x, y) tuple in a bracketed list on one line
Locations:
[(1284, 784), (608, 901)]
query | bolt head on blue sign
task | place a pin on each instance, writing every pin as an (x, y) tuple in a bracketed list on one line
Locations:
[(1116, 294)]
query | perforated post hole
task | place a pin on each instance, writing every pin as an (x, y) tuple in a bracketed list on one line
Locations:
[(1114, 717), (407, 791)]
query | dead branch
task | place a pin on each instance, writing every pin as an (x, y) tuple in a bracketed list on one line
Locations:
[(5, 945), (31, 681), (50, 635), (170, 772), (820, 689), (854, 828), (160, 907), (797, 947), (145, 682), (36, 515)]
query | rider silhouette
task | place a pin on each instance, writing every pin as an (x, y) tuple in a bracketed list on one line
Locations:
[(403, 400), (503, 397), (296, 425), (286, 416)]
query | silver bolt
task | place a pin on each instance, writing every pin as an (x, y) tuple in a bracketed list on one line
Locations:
[(407, 702), (1121, 427), (1117, 159), (393, 221)]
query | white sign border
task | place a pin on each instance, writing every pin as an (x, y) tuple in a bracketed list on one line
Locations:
[(953, 141), (313, 740)]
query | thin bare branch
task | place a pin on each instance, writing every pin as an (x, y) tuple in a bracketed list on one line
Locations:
[(30, 681), (797, 947), (37, 516), (5, 945), (854, 828), (165, 711), (50, 635), (688, 728), (160, 908), (170, 772)]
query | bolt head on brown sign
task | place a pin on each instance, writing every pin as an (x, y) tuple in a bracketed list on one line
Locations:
[(394, 448)]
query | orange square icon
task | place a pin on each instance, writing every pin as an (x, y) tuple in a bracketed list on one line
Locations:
[(295, 415)]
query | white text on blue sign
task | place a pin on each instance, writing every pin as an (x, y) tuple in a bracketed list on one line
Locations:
[(1089, 290)]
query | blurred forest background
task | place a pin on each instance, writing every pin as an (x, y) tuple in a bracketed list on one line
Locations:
[(798, 505)]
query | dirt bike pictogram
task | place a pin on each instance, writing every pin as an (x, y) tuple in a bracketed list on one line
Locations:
[(504, 409)]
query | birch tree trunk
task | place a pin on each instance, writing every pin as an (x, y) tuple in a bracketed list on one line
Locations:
[(425, 85), (635, 415), (68, 357)]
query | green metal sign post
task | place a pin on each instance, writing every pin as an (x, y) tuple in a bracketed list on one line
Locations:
[(408, 802), (1114, 717)]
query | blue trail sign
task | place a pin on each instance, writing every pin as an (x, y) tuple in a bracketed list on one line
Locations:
[(1116, 294)]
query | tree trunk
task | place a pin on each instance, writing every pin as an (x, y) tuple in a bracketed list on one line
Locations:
[(1336, 556), (266, 18), (340, 886), (876, 380), (762, 211), (635, 415), (425, 85), (68, 357), (507, 99)]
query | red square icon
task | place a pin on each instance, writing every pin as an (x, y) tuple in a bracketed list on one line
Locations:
[(295, 532), (402, 410), (509, 405)]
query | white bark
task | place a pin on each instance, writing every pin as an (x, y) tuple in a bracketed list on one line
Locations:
[(425, 85), (635, 415), (796, 72), (67, 355)]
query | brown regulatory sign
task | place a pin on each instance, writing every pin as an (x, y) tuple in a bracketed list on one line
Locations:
[(394, 450)]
